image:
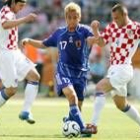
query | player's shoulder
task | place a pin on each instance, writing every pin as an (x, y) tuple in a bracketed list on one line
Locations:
[(133, 25), (5, 9), (136, 23), (83, 27), (61, 29)]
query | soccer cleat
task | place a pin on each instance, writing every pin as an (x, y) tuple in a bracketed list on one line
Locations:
[(27, 116), (89, 130), (86, 135), (92, 127), (65, 119)]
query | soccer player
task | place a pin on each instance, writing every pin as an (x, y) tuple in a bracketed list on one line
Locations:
[(14, 66), (73, 42), (123, 36)]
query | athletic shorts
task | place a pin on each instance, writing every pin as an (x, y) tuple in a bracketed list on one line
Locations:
[(119, 76), (79, 85), (14, 67)]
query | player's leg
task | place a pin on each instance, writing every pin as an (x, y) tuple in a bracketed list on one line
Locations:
[(31, 91), (5, 94), (99, 103), (70, 116), (1, 85), (119, 82), (75, 113), (102, 88), (8, 76), (79, 87), (26, 70), (65, 86), (128, 109), (71, 96), (80, 103)]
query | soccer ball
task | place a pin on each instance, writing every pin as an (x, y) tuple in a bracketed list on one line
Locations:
[(71, 129)]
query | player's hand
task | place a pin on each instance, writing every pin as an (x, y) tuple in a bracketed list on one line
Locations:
[(31, 17), (92, 40), (95, 24), (24, 41)]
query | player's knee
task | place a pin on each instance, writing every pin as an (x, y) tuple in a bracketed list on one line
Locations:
[(120, 106), (99, 88), (36, 77), (33, 76), (11, 91)]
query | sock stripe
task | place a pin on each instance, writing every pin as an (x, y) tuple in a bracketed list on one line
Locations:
[(4, 95), (33, 82), (126, 108), (99, 94)]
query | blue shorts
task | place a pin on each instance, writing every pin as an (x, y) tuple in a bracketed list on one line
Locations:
[(79, 85)]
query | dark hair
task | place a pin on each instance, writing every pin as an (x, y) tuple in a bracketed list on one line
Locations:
[(9, 2), (119, 7)]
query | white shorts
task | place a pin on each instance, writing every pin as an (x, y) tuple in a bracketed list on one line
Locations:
[(119, 76), (14, 66)]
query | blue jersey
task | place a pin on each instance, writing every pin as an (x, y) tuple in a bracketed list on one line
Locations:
[(72, 46)]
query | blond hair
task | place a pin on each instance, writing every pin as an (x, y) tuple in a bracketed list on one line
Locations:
[(72, 7)]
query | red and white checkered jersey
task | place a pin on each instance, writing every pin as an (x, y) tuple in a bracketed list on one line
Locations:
[(123, 41), (8, 37)]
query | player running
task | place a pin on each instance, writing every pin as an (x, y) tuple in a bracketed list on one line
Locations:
[(122, 35), (14, 66), (73, 42)]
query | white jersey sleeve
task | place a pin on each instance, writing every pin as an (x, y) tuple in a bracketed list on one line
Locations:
[(8, 37), (6, 14)]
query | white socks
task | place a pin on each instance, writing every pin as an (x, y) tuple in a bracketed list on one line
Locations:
[(98, 106), (133, 114), (30, 95), (99, 103)]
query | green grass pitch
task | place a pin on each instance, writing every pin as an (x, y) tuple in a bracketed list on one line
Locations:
[(48, 112)]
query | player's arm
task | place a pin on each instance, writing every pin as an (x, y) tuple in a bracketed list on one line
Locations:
[(33, 42), (7, 24), (51, 41), (96, 39)]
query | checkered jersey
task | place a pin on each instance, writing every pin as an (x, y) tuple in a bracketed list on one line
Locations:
[(123, 41), (8, 37)]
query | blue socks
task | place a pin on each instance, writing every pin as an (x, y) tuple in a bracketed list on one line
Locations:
[(75, 114), (126, 108), (3, 94), (3, 97)]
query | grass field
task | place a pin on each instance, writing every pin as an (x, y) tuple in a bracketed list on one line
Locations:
[(48, 113)]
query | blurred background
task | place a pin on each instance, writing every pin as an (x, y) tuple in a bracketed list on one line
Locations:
[(50, 17)]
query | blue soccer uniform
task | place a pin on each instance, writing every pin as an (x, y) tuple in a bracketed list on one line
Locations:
[(72, 65)]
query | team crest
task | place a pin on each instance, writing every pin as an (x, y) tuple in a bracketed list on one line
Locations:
[(78, 43), (130, 33)]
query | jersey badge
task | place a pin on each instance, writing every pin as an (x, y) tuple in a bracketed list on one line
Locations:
[(78, 43), (130, 33)]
